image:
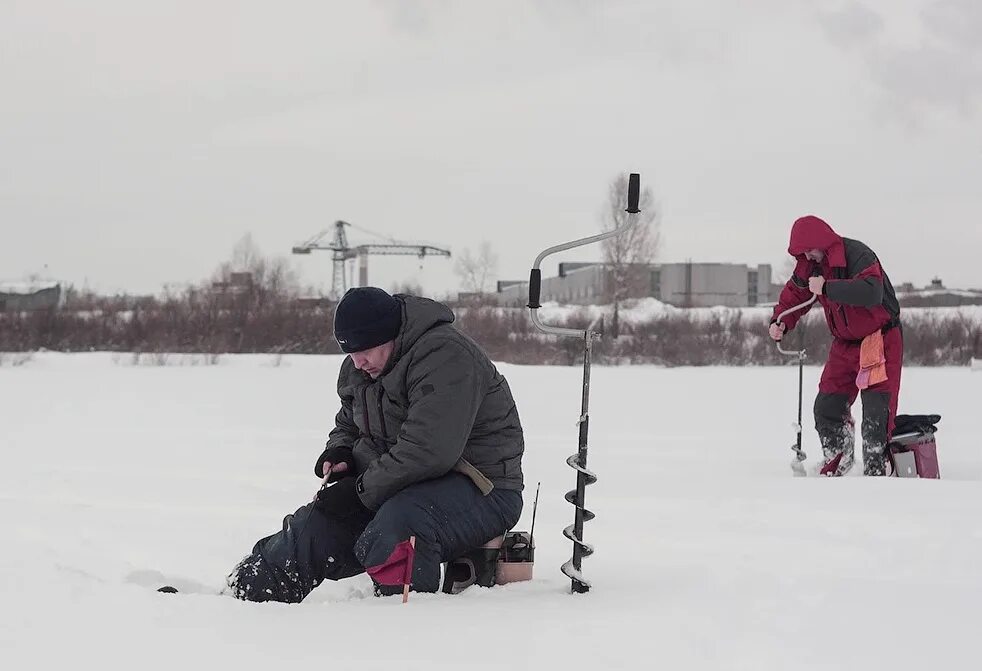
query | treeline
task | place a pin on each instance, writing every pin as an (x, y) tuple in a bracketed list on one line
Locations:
[(725, 337), (195, 320), (257, 318)]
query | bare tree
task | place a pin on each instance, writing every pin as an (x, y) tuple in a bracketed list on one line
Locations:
[(477, 270), (627, 257), (246, 254), (270, 277)]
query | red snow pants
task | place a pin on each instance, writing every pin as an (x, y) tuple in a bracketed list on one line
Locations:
[(837, 392)]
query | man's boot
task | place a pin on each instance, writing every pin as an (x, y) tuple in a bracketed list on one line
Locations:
[(876, 416), (836, 432)]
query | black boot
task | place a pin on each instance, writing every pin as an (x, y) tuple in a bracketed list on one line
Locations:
[(836, 432), (876, 416)]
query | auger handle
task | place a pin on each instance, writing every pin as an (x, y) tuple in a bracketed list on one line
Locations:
[(780, 317), (633, 193), (535, 276), (816, 272)]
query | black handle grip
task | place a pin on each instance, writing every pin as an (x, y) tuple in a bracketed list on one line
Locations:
[(535, 284), (633, 193), (816, 270)]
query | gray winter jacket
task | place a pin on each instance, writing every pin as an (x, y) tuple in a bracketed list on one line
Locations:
[(439, 405)]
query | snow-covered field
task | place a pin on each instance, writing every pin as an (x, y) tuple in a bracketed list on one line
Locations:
[(116, 478), (641, 310)]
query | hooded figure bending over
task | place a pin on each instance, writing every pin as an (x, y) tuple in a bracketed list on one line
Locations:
[(867, 352)]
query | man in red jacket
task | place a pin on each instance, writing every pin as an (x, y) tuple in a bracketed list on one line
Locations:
[(859, 301)]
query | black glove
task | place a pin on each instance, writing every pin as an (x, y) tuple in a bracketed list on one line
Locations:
[(335, 455), (341, 500)]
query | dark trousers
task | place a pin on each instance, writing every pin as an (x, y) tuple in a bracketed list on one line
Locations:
[(447, 515), (837, 392)]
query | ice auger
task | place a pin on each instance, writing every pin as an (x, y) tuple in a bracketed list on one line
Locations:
[(584, 477), (798, 463)]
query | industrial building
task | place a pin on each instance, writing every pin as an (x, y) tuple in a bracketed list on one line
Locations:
[(686, 284), (936, 294), (29, 296)]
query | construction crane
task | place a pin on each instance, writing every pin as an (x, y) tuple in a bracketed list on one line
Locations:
[(342, 252)]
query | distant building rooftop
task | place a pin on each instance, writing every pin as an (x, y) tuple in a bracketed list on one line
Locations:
[(25, 287), (29, 295), (936, 294)]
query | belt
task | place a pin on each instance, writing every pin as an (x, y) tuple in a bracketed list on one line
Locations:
[(893, 323)]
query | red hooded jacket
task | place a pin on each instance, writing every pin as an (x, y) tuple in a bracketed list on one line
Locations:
[(858, 297)]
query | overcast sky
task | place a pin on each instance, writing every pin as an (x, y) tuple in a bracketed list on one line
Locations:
[(139, 141)]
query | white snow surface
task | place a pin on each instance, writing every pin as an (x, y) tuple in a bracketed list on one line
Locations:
[(709, 554), (641, 310)]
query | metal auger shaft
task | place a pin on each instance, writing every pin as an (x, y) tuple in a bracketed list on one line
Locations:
[(797, 464), (584, 478)]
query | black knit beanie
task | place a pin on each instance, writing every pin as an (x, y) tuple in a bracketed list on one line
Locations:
[(366, 317)]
